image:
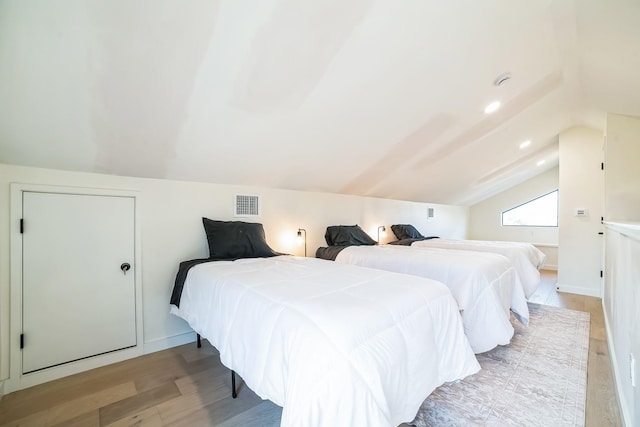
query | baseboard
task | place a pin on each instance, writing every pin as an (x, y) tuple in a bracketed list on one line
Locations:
[(549, 267), (579, 290), (1, 389), (168, 342), (624, 411), (22, 381)]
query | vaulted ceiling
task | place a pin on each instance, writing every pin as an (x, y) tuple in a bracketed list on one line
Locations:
[(370, 97)]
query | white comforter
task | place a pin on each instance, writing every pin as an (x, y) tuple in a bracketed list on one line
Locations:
[(485, 285), (526, 258), (334, 345)]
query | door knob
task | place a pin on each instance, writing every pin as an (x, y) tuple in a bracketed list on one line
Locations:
[(125, 266)]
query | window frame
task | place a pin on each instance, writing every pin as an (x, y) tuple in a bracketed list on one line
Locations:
[(557, 190)]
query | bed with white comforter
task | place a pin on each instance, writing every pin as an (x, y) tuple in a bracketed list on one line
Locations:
[(334, 345), (485, 286), (526, 258)]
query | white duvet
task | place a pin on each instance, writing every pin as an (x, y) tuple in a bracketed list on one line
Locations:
[(485, 286), (334, 345), (526, 258)]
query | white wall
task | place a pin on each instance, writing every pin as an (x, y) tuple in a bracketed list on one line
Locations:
[(622, 270), (170, 216), (485, 220), (622, 198), (580, 247)]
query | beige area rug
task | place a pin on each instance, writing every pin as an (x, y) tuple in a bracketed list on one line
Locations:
[(540, 379)]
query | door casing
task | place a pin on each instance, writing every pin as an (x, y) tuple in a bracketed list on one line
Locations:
[(17, 380)]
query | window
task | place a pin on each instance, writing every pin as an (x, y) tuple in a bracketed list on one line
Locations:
[(539, 212)]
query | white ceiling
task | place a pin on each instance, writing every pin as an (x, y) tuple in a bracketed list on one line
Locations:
[(366, 97)]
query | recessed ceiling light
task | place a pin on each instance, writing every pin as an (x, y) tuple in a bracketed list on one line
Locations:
[(492, 107), (525, 144), (540, 163)]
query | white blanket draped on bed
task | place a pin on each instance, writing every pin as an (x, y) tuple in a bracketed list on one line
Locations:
[(334, 345), (526, 258), (485, 285)]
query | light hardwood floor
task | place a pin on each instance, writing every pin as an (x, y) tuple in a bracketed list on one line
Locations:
[(186, 386)]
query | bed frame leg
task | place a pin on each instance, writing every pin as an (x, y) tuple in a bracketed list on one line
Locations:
[(233, 384), (234, 394)]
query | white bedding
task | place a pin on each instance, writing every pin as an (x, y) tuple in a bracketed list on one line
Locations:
[(334, 345), (484, 285), (526, 258)]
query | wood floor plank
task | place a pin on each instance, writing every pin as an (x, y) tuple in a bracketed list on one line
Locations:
[(602, 405), (194, 353), (68, 410), (161, 371), (40, 397), (91, 402), (216, 412), (195, 383), (158, 372), (146, 418), (265, 414), (88, 419), (131, 405), (204, 394)]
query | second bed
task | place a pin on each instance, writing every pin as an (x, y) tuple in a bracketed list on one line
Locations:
[(486, 286)]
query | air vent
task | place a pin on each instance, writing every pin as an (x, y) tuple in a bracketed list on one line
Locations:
[(502, 79), (430, 213), (247, 205)]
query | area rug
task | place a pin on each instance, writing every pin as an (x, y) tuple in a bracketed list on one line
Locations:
[(539, 379)]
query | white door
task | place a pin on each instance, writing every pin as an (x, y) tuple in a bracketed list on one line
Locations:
[(77, 302)]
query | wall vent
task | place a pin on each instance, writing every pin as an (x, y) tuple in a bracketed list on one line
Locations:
[(247, 205), (430, 213)]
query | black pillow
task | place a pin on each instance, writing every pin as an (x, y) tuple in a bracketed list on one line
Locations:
[(347, 235), (406, 231), (236, 239)]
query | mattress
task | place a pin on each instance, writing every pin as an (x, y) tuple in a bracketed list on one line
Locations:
[(332, 344)]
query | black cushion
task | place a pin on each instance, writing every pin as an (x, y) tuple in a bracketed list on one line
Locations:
[(406, 231), (347, 235), (236, 239)]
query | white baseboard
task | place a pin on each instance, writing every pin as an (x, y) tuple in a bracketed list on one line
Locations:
[(579, 290), (1, 389), (168, 342), (624, 411), (23, 381)]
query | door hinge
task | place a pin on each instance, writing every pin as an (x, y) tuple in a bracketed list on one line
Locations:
[(602, 166), (601, 273), (21, 225), (21, 341)]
